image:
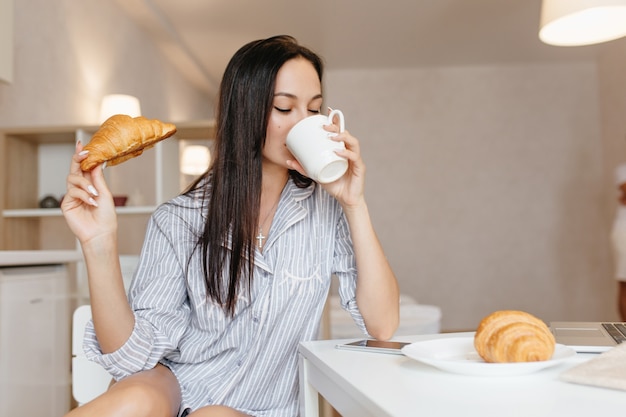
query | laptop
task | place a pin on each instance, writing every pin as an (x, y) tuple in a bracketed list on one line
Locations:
[(589, 337)]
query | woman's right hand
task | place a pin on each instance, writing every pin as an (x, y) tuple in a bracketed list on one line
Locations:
[(88, 204)]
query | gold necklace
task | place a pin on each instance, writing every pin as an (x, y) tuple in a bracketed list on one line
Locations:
[(260, 237)]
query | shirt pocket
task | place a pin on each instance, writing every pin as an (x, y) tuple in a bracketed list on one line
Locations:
[(311, 281)]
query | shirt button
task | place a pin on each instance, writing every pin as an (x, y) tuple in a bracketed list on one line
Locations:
[(255, 319)]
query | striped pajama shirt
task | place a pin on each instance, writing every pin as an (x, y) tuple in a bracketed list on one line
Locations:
[(249, 361)]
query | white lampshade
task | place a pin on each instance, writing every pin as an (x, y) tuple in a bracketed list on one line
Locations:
[(195, 160), (119, 104), (582, 22)]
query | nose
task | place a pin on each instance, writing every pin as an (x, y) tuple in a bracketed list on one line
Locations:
[(302, 113), (299, 115)]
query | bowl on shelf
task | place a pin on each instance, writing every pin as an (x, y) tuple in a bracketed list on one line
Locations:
[(120, 200), (49, 201)]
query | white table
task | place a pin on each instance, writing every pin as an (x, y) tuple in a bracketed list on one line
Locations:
[(362, 384)]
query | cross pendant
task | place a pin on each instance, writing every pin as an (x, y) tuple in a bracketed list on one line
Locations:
[(260, 238)]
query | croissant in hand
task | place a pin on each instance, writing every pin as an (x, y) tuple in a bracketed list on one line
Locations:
[(513, 336), (122, 137)]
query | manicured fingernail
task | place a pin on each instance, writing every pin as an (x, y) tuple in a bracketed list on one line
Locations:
[(81, 153), (92, 190), (93, 202)]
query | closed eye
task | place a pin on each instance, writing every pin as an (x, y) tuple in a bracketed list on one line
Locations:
[(279, 109)]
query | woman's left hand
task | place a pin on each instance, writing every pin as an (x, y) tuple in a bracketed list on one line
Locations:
[(349, 189)]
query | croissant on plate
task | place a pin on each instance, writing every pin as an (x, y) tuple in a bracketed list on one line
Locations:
[(122, 137), (513, 336)]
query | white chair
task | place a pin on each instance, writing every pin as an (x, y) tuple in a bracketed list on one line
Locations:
[(88, 378)]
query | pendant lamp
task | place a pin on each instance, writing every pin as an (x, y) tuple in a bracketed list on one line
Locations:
[(582, 22)]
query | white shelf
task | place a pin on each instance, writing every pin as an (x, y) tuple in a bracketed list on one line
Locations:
[(53, 212), (43, 154)]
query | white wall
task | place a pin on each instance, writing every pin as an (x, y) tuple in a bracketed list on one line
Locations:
[(486, 185), (6, 40), (68, 54)]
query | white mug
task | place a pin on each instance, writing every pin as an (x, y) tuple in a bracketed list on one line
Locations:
[(313, 148)]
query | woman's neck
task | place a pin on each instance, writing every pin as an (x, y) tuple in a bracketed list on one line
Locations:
[(273, 182)]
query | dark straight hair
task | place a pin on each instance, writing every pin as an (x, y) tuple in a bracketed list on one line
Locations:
[(234, 178)]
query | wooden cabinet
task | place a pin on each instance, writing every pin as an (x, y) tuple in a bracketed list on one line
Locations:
[(34, 163)]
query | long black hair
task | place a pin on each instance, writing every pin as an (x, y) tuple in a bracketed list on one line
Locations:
[(234, 178)]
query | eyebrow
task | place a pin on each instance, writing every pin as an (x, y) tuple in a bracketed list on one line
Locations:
[(293, 96)]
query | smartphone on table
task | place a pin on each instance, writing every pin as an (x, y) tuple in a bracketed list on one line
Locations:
[(372, 345)]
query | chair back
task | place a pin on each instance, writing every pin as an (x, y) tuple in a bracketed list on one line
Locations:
[(89, 379)]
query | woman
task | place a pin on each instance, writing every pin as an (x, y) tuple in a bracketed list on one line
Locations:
[(235, 272)]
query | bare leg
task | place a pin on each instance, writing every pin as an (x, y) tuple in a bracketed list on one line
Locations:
[(152, 393), (217, 411)]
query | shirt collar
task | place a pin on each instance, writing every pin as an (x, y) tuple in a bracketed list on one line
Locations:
[(288, 212)]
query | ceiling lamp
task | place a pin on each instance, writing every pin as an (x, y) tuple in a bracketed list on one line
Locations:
[(582, 22)]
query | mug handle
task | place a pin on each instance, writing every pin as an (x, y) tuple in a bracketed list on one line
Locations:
[(331, 115)]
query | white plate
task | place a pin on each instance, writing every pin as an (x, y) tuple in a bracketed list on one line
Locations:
[(457, 355)]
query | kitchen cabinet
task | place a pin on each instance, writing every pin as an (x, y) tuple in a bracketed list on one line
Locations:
[(34, 163), (35, 314)]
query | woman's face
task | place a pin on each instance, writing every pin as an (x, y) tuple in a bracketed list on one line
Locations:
[(298, 94)]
